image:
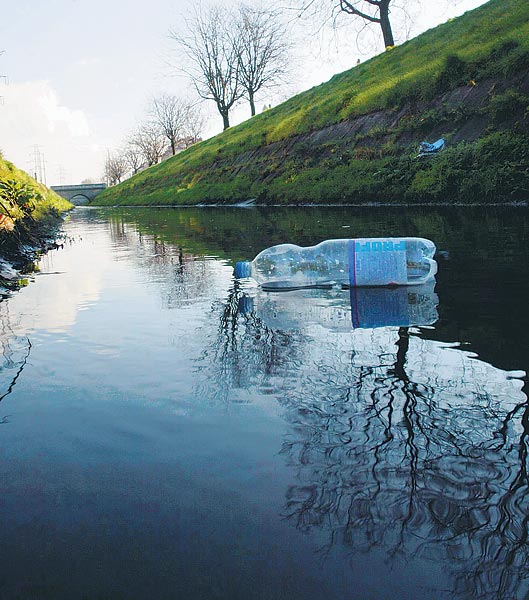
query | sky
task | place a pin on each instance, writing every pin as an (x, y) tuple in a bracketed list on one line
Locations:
[(81, 73)]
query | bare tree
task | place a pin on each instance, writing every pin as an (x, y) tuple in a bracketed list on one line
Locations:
[(170, 113), (367, 12), (180, 121), (373, 11), (194, 126), (133, 156), (150, 140), (213, 59), (115, 168), (261, 41)]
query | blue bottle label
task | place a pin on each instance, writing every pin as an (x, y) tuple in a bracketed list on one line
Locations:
[(377, 262), (351, 250)]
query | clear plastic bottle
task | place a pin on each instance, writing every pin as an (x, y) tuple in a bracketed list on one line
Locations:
[(351, 263)]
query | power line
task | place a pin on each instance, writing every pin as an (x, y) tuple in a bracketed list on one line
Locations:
[(38, 164), (62, 175), (5, 78), (6, 81)]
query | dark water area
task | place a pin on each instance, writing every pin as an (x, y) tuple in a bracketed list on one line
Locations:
[(167, 432)]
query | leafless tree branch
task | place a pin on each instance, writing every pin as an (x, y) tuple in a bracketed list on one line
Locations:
[(150, 141), (384, 13), (171, 115), (133, 156), (212, 56), (115, 168), (260, 38)]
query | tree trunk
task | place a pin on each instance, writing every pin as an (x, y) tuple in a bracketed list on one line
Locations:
[(252, 102), (385, 24), (225, 118), (173, 147)]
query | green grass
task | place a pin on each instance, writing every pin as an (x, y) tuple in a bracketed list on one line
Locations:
[(48, 200), (29, 213), (491, 42)]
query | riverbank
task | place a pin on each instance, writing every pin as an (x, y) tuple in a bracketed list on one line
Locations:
[(30, 220), (511, 204), (355, 139)]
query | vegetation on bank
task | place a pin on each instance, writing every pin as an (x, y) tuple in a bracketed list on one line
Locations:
[(412, 93), (29, 216)]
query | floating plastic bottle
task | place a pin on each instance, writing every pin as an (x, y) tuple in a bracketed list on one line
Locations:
[(351, 263), (343, 310)]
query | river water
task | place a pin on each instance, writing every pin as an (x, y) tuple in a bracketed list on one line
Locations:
[(166, 433)]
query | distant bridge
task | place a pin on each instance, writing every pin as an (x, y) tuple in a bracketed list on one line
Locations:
[(79, 194)]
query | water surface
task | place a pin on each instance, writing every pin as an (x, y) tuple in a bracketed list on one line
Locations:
[(168, 433)]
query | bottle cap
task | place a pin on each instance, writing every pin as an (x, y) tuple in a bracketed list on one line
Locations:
[(243, 269)]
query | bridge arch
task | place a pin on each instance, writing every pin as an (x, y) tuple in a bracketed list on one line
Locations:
[(79, 199), (79, 194)]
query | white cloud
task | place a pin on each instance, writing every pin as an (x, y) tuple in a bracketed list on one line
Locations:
[(58, 116), (32, 114), (33, 108)]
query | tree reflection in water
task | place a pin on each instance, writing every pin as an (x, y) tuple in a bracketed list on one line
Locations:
[(399, 443), (246, 354), (14, 353)]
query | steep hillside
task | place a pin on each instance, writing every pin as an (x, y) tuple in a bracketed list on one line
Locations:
[(29, 216), (354, 139)]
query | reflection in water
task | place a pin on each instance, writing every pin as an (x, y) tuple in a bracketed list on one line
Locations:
[(245, 352), (400, 450), (488, 290), (182, 277), (399, 443), (15, 351), (337, 309), (413, 460)]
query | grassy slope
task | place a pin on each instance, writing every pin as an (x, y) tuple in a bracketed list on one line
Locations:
[(50, 200), (33, 230), (489, 42)]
